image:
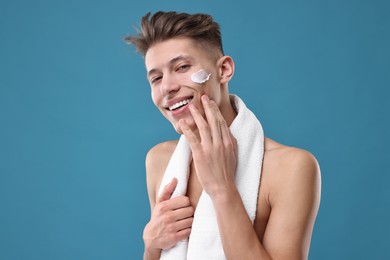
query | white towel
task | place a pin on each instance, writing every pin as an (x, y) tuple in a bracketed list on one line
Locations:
[(205, 241)]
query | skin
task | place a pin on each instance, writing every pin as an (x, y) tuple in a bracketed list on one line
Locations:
[(290, 187)]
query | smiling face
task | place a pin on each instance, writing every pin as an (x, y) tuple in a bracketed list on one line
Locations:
[(169, 66)]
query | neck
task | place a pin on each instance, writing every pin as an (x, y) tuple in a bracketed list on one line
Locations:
[(228, 110)]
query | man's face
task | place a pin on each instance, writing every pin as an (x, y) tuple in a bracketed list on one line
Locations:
[(169, 66)]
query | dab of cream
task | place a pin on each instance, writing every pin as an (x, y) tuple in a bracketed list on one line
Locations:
[(200, 76)]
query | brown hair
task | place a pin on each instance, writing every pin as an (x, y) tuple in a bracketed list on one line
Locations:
[(167, 25)]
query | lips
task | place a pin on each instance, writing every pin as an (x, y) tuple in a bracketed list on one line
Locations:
[(178, 103)]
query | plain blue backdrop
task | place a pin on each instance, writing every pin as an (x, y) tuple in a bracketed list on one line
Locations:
[(76, 118)]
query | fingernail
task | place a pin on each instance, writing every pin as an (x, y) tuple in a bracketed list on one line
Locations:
[(192, 106), (205, 98)]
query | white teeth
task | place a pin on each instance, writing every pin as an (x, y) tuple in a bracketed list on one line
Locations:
[(179, 104)]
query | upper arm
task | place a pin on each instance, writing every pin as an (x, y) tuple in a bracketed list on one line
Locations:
[(156, 162), (294, 204), (151, 175)]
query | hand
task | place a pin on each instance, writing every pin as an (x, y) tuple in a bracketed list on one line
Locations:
[(214, 148), (171, 220)]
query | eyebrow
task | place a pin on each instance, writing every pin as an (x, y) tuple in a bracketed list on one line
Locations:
[(171, 62)]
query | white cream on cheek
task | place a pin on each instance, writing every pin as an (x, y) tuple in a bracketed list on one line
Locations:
[(201, 76)]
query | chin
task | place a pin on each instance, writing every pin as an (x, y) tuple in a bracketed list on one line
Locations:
[(177, 127)]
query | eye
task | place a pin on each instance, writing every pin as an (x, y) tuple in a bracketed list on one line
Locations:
[(155, 79), (184, 67)]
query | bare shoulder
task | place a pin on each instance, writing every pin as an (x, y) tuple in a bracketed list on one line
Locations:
[(159, 155), (289, 160), (156, 162), (286, 169), (290, 169)]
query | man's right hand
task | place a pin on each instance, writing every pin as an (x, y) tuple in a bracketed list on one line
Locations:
[(171, 220)]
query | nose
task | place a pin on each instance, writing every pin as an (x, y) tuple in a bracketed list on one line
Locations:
[(169, 84)]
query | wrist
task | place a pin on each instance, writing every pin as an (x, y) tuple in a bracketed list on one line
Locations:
[(149, 241), (152, 253), (224, 193)]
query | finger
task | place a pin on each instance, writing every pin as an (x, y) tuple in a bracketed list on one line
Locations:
[(214, 117), (183, 213), (167, 191), (183, 234), (177, 203), (234, 140), (184, 223), (227, 136), (191, 137), (203, 127)]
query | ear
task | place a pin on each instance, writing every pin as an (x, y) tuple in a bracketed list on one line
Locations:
[(226, 69)]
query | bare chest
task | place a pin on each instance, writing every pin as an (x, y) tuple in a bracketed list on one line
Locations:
[(194, 188)]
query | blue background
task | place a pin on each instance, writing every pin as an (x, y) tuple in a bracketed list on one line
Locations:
[(76, 118)]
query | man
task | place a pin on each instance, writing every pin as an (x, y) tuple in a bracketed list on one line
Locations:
[(177, 47)]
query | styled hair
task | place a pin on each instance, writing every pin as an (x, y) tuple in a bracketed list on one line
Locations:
[(167, 25)]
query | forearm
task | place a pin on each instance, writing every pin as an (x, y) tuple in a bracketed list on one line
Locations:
[(238, 236)]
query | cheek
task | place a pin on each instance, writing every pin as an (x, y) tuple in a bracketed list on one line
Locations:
[(154, 95), (184, 79)]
